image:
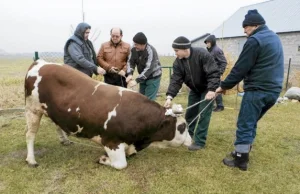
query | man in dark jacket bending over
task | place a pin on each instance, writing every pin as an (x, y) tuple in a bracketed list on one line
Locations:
[(198, 70)]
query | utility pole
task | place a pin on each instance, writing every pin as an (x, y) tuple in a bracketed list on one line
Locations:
[(82, 10)]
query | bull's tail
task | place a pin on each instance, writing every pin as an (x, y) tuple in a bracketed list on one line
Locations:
[(26, 86)]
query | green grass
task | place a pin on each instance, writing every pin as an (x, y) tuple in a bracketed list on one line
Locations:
[(274, 161)]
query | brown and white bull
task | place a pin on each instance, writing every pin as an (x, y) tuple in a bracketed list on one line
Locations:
[(121, 120)]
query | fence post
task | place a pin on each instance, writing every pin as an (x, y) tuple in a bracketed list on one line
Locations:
[(36, 55), (170, 74), (288, 75)]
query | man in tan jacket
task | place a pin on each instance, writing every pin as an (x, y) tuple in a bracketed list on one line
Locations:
[(113, 56)]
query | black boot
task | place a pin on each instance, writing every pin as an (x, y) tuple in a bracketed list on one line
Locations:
[(218, 109), (232, 154), (240, 160)]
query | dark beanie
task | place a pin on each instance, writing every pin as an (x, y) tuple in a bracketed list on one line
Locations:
[(181, 43), (140, 38), (253, 18)]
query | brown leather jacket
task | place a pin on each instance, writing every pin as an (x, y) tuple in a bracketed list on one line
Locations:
[(110, 56)]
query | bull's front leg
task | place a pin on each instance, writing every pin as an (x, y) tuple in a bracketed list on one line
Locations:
[(115, 158)]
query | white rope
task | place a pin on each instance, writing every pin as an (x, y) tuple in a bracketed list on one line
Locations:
[(202, 110), (76, 142), (195, 104)]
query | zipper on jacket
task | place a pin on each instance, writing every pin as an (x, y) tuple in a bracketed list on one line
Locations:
[(188, 63)]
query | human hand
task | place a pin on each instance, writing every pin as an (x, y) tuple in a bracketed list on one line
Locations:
[(113, 70), (122, 73), (210, 95), (128, 78), (168, 103), (101, 71), (131, 84), (220, 90)]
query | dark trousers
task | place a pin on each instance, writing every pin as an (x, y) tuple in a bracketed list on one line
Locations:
[(219, 101), (115, 79), (253, 107), (150, 87), (199, 133)]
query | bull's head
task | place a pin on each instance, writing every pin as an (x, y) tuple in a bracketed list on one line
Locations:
[(182, 136)]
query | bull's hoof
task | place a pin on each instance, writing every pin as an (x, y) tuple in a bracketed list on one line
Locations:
[(34, 165), (66, 143)]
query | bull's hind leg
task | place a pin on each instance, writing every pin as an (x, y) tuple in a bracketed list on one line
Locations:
[(33, 122), (63, 138), (116, 157)]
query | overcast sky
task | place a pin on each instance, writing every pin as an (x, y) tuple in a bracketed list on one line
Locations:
[(45, 25)]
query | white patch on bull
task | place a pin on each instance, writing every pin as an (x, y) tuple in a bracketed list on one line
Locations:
[(34, 72), (121, 89), (97, 139), (116, 157), (44, 107), (69, 110), (77, 110), (79, 129), (179, 138), (110, 114), (96, 87)]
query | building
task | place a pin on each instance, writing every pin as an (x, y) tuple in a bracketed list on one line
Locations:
[(281, 16)]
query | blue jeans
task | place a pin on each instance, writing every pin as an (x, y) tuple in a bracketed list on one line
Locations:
[(253, 107)]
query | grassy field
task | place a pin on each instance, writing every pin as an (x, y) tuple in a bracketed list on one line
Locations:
[(274, 162)]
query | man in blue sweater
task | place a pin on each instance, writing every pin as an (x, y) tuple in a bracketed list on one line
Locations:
[(261, 66)]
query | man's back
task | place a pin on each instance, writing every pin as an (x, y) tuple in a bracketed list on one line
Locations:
[(267, 72)]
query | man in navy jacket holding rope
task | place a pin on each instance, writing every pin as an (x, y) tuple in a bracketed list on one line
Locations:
[(261, 66), (198, 70)]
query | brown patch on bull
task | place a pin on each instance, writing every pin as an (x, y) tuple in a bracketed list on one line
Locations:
[(181, 128), (28, 83)]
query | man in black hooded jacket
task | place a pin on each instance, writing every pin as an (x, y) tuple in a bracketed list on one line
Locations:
[(220, 59)]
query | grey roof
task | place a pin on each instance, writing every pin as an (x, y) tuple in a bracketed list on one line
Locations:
[(280, 16), (200, 37)]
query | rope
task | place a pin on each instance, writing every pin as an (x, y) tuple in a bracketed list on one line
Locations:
[(198, 116), (195, 104), (76, 142)]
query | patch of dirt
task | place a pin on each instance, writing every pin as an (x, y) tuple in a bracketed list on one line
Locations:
[(19, 155), (2, 186), (53, 185)]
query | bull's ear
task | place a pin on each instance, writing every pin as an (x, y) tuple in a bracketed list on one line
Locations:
[(177, 109)]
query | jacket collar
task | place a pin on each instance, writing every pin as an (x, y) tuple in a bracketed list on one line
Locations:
[(260, 28)]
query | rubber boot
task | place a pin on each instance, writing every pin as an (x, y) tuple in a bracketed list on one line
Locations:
[(232, 154), (240, 160)]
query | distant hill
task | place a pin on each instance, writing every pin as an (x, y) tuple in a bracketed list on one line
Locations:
[(4, 54)]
